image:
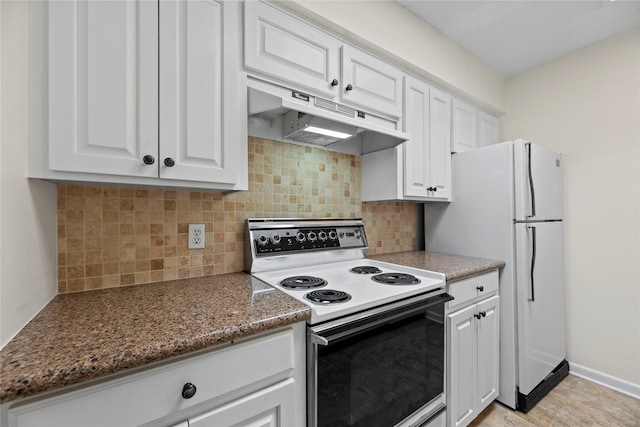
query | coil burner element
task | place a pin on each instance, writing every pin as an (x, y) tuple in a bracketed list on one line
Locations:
[(327, 296), (303, 282), (365, 269), (396, 279)]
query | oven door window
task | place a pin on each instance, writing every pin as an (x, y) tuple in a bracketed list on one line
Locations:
[(382, 375)]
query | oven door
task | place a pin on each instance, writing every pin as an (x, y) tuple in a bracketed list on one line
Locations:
[(379, 368)]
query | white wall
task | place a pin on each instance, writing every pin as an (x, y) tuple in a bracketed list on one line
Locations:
[(587, 106), (387, 27), (28, 263)]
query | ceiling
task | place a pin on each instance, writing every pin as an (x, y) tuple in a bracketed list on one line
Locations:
[(514, 36)]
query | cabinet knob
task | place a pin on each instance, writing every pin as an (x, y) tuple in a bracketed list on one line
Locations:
[(477, 315), (483, 313), (349, 87), (148, 159), (169, 162), (334, 82), (188, 391), (480, 288)]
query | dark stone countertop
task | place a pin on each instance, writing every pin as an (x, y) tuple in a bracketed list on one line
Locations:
[(454, 267), (82, 336)]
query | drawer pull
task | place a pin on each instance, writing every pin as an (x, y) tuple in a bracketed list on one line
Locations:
[(480, 288), (188, 391)]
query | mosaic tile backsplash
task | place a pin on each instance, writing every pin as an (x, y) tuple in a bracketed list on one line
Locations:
[(119, 236)]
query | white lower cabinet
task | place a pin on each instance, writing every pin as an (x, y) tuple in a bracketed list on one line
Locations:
[(271, 407), (256, 382), (473, 344)]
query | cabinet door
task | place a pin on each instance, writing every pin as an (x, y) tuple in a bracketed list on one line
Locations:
[(440, 144), (198, 127), (286, 48), (271, 407), (488, 129), (465, 117), (461, 371), (416, 150), (488, 351), (370, 83), (103, 87)]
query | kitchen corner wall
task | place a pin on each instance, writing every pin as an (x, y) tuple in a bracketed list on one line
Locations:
[(120, 236)]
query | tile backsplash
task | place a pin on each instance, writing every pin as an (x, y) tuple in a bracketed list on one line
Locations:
[(119, 236)]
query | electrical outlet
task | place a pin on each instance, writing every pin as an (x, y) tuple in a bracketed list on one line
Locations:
[(196, 236)]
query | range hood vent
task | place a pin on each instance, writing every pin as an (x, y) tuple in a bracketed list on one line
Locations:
[(288, 115), (337, 108)]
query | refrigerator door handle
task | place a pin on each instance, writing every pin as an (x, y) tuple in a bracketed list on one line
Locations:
[(531, 189), (533, 261)]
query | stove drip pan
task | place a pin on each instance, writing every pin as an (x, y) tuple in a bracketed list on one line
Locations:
[(327, 296), (365, 269), (303, 282), (396, 279)]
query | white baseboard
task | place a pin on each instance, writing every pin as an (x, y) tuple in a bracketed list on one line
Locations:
[(617, 384)]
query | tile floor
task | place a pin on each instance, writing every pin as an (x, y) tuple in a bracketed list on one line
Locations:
[(573, 402)]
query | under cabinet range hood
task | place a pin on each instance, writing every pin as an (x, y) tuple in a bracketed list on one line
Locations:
[(288, 115)]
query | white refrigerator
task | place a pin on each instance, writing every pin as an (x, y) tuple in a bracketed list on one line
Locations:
[(508, 205)]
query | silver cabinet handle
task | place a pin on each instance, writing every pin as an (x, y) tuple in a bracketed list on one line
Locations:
[(533, 261)]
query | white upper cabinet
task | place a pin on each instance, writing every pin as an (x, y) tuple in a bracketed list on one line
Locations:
[(488, 129), (415, 152), (440, 143), (198, 121), (420, 168), (286, 48), (472, 127), (370, 83), (103, 87), (142, 92), (291, 51), (465, 126)]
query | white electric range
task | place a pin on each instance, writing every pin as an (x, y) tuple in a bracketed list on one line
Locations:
[(376, 337)]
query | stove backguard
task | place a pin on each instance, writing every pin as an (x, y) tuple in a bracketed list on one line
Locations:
[(285, 243)]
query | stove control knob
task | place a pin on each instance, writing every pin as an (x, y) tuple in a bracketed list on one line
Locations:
[(262, 240), (332, 235), (275, 239), (300, 237), (322, 236), (357, 233), (312, 236)]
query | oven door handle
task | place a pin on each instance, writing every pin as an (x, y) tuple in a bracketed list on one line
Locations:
[(328, 337), (318, 339)]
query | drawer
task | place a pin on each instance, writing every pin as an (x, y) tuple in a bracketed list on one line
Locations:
[(473, 289), (144, 396)]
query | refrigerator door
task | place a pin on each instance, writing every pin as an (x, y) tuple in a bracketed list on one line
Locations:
[(538, 182), (540, 301)]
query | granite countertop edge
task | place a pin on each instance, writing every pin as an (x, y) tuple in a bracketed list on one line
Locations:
[(90, 335)]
